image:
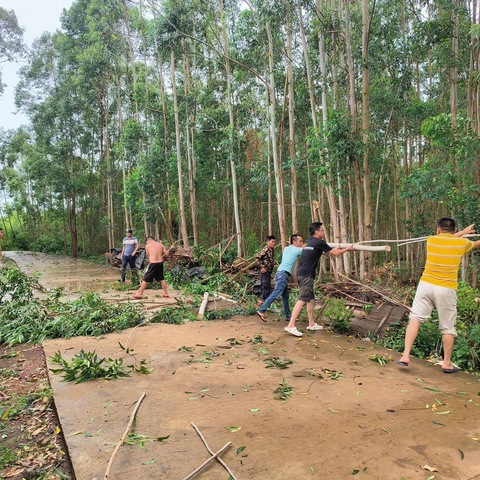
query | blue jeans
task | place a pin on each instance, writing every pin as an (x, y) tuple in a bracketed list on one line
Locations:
[(281, 288)]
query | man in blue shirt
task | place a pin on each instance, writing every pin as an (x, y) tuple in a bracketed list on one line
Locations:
[(289, 258), (129, 250)]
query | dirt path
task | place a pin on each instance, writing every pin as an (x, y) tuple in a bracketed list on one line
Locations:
[(348, 415)]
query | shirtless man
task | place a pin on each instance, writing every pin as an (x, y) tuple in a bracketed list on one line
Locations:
[(156, 252)]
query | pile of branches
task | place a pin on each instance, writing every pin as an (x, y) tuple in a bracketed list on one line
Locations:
[(357, 294), (181, 256)]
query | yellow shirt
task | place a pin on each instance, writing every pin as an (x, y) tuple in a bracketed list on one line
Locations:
[(444, 253)]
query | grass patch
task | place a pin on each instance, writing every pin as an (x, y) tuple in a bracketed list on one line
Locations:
[(8, 456)]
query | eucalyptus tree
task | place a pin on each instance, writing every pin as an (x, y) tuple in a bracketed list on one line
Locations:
[(96, 47), (231, 129), (169, 39), (271, 17), (12, 47), (47, 92)]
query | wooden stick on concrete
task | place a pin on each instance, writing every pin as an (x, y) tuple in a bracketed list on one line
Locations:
[(211, 452), (125, 433), (206, 462)]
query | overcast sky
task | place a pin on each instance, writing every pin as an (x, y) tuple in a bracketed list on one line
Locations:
[(36, 17)]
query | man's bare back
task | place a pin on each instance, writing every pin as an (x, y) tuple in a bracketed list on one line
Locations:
[(156, 251)]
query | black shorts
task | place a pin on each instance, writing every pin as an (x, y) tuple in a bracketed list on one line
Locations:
[(154, 272)]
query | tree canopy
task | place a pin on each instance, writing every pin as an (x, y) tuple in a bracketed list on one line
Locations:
[(204, 121)]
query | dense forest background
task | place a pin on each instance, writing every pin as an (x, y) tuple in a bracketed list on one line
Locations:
[(222, 121)]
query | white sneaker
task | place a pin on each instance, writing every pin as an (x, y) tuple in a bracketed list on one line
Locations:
[(294, 331), (315, 326)]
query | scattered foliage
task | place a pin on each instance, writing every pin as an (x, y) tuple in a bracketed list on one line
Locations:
[(24, 318), (174, 315), (381, 359), (275, 362), (88, 366), (137, 439), (284, 391)]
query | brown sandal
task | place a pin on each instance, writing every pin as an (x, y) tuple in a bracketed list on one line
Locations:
[(262, 316)]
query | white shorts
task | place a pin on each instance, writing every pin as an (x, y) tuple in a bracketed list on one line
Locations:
[(444, 300)]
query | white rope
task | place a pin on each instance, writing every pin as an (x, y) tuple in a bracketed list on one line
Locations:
[(406, 241)]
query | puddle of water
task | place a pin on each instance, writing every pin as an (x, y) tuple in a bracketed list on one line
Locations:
[(69, 273)]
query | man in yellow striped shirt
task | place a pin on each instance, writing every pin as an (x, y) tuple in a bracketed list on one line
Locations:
[(437, 288)]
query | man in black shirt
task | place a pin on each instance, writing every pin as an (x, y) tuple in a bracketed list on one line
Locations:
[(314, 247)]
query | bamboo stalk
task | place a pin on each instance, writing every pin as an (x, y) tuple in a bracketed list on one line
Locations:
[(125, 433)]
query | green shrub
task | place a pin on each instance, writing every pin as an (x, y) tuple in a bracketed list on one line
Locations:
[(48, 244), (177, 277), (429, 340), (468, 306), (466, 352)]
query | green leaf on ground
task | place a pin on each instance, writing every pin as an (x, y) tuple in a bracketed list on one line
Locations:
[(234, 429)]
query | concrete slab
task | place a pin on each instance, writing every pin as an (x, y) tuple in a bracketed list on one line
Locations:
[(385, 422)]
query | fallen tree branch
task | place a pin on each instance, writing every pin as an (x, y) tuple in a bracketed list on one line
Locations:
[(203, 306), (243, 270), (125, 433), (225, 297)]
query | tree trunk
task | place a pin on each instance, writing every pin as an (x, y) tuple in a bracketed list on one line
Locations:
[(168, 221), (191, 163), (291, 131), (273, 136), (236, 209), (183, 219), (367, 188)]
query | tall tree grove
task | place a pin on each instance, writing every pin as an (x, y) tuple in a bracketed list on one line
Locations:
[(208, 121)]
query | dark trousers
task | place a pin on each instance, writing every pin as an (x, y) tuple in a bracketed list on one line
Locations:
[(266, 284), (128, 260)]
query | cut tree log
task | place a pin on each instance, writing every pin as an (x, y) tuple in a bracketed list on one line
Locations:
[(203, 306), (361, 247)]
